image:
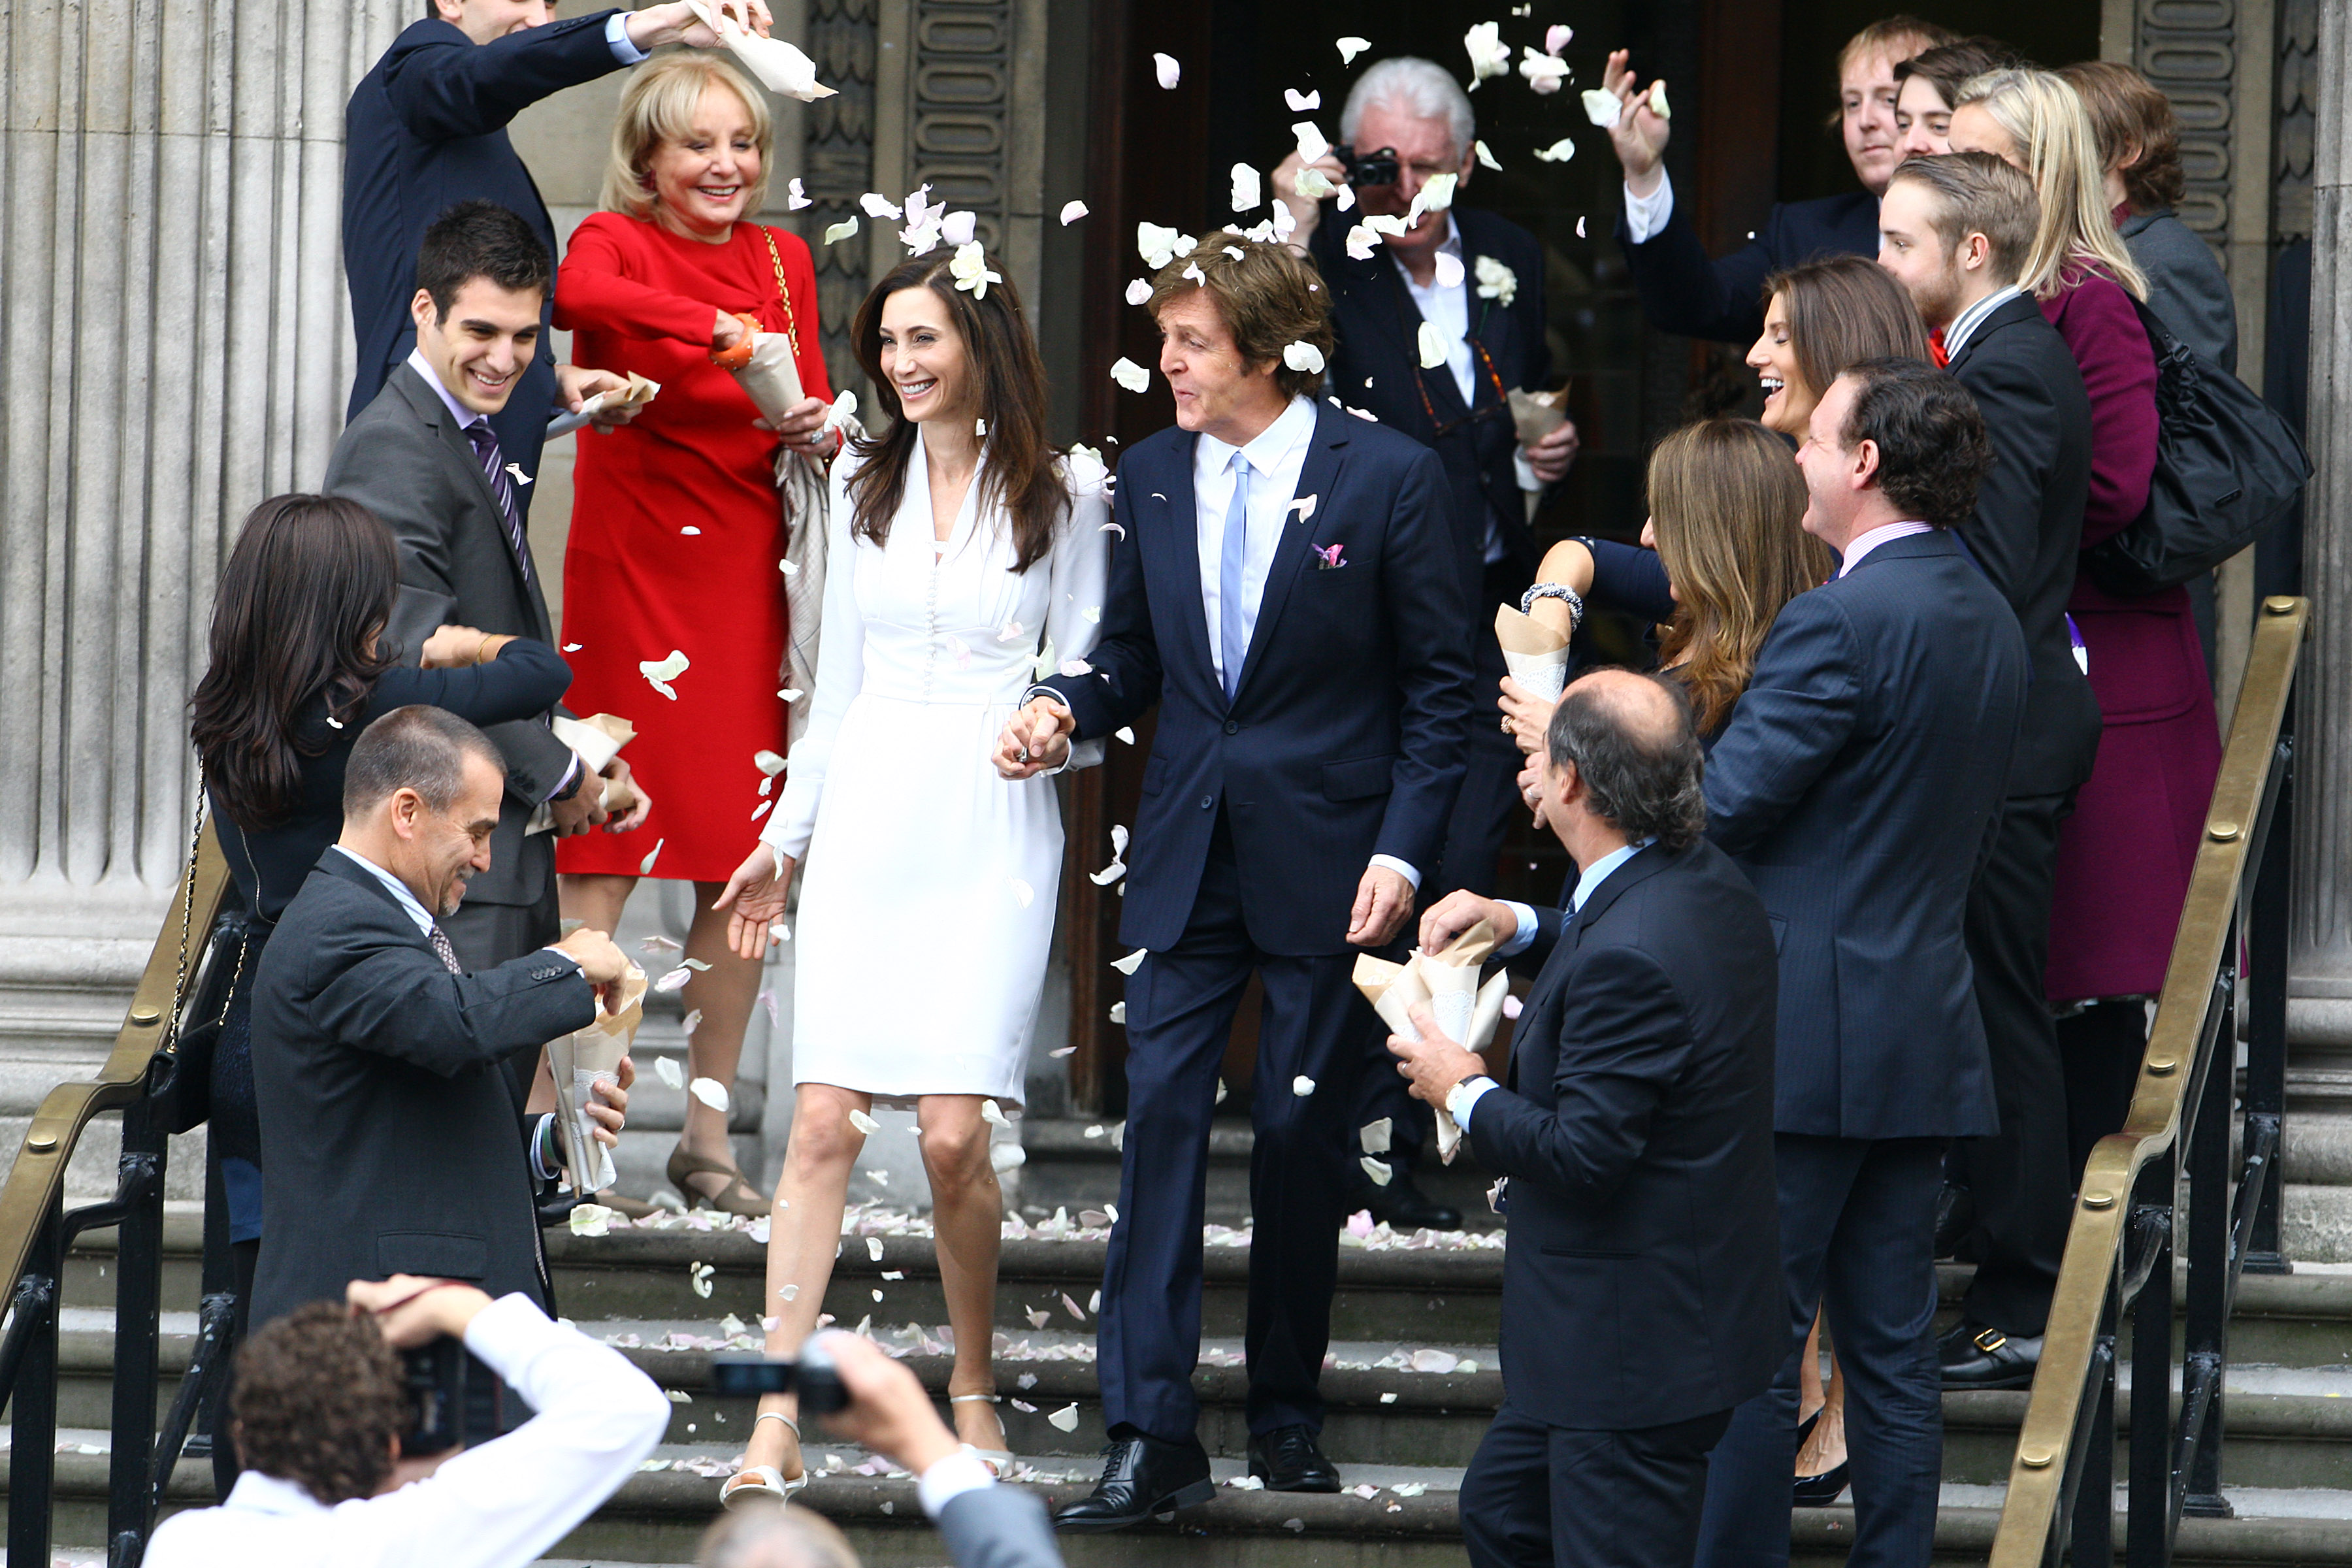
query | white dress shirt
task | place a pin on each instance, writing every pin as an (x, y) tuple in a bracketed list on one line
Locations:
[(1271, 464), (504, 1503), (1870, 539), (1470, 1090), (1645, 216), (1447, 309)]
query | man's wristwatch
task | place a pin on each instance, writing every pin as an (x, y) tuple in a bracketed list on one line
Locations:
[(1454, 1096), (578, 777)]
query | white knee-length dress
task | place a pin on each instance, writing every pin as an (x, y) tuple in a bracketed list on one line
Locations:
[(929, 883)]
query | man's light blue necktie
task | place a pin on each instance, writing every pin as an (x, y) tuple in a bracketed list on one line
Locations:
[(1232, 636)]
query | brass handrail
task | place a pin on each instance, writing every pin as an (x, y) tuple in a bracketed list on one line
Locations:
[(2095, 1240), (38, 1177)]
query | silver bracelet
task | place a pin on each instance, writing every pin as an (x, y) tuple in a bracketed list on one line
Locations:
[(1560, 591)]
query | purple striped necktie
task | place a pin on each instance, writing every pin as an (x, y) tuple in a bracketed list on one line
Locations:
[(494, 469)]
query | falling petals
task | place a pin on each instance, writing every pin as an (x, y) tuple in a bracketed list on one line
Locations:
[(994, 1114), (1117, 1014), (796, 198), (1433, 345), (1449, 270), (1303, 357), (1485, 157), (957, 228), (1305, 507), (1066, 1418), (1138, 290), (1300, 102), (665, 1068), (1118, 867), (1350, 47), (659, 944), (878, 205), (1556, 38), (1169, 72), (711, 1092), (645, 866), (768, 762), (660, 672), (864, 1122), (874, 1248), (1377, 1170), (1248, 190), (1658, 101), (698, 1276), (1435, 196), (692, 1022), (1073, 1308), (835, 231), (1129, 374), (1123, 732), (675, 980), (1159, 246), (1511, 1007), (1072, 212), (1545, 73), (789, 1292), (1601, 108), (1374, 1136), (1132, 962), (1311, 142), (1489, 55), (1302, 1085), (1559, 152)]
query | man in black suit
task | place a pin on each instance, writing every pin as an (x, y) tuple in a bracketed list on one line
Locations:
[(1682, 290), (1284, 593), (1858, 785), (426, 458), (426, 128), (394, 1145), (1476, 281), (1642, 1294), (1956, 229)]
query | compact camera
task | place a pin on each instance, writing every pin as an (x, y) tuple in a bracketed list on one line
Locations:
[(452, 1399), (813, 1377), (1377, 167)]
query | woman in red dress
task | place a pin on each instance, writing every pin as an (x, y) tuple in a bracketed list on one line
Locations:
[(677, 533)]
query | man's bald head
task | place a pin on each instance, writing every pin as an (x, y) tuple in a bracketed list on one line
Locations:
[(1630, 738), (761, 1534)]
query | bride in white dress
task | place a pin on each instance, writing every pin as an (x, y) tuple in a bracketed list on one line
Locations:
[(964, 555)]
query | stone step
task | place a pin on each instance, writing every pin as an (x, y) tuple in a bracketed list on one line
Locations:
[(659, 1514)]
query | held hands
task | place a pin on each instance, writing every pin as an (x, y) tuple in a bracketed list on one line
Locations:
[(888, 1413), (617, 772), (1639, 135), (412, 1309), (1035, 739), (599, 960), (1551, 456), (1304, 210), (1433, 1063), (802, 427), (575, 384), (1459, 910), (676, 24), (1383, 903), (756, 891)]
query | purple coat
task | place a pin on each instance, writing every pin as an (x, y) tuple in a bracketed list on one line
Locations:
[(2125, 854)]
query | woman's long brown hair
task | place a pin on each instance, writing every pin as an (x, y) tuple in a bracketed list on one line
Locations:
[(1019, 473), (310, 583), (1727, 505)]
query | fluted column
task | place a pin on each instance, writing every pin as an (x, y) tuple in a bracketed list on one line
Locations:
[(175, 346)]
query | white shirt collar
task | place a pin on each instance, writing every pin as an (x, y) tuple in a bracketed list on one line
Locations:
[(1589, 881), (457, 411), (257, 1493), (1965, 324), (399, 890), (1863, 543), (1269, 450)]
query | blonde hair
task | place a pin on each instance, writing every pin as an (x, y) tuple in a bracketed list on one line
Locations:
[(2044, 120), (659, 106), (1727, 506)]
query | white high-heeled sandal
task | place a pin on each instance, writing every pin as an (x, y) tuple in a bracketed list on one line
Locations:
[(998, 1461), (764, 1480)]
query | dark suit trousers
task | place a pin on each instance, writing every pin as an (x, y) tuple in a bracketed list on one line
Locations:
[(1858, 1239), (1180, 1012), (1537, 1496), (2019, 1177)]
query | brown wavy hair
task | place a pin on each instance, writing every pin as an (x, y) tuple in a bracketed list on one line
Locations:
[(310, 584), (1727, 505), (1021, 474), (1268, 297), (1842, 309), (319, 1400), (2138, 135)]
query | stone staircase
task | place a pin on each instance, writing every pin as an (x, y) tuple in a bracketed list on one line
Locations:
[(1413, 1381)]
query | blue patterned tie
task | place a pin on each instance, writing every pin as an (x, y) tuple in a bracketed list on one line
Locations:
[(494, 468), (1232, 636)]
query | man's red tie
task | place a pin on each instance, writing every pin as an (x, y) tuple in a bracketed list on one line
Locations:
[(1935, 349)]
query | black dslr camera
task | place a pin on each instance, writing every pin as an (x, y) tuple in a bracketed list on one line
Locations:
[(1377, 167), (452, 1399), (813, 1376)]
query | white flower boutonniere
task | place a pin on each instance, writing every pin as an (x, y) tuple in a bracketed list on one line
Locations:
[(1495, 282)]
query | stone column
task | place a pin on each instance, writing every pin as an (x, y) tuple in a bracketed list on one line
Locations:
[(175, 346)]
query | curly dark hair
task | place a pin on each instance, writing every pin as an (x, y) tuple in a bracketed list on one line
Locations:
[(318, 1401), (1932, 449)]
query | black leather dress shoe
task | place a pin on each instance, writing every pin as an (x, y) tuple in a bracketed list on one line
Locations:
[(1287, 1460), (1974, 1356), (1142, 1476), (1404, 1207)]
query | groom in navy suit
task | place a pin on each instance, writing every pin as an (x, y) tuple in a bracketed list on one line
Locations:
[(1285, 592)]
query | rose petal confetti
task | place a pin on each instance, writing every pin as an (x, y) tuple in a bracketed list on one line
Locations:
[(1117, 1014), (1511, 1007), (1449, 270), (659, 944), (1433, 345), (1545, 73), (678, 1396), (1556, 38), (1485, 157), (1489, 55), (1658, 101), (1378, 1171), (698, 1276), (1374, 1136), (1559, 152), (1302, 1085), (1167, 70), (1601, 108), (1248, 191), (1124, 733), (1305, 506), (789, 1292), (1129, 374), (1311, 143), (590, 1219), (994, 1114), (660, 672), (1301, 102), (1132, 962), (1350, 47), (693, 1021), (1138, 290), (1066, 1418), (675, 980), (1118, 867), (711, 1092), (1038, 1318), (864, 1122), (1434, 1361), (768, 762), (795, 198), (1073, 1308), (1302, 356), (878, 205), (1072, 212), (840, 231)]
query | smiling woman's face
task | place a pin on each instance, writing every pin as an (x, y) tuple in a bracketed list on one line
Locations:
[(1788, 401), (701, 179), (922, 355)]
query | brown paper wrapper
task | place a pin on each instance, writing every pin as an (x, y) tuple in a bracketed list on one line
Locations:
[(1447, 983), (1535, 654), (771, 380), (1535, 414), (577, 1061)]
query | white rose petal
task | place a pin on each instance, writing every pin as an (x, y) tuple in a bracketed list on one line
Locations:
[(1556, 38), (1300, 102), (1312, 184), (1124, 733), (840, 231), (1485, 157), (1362, 240), (665, 1068), (1601, 108), (1658, 101), (1435, 1360), (994, 1114), (1302, 356), (1072, 212), (1350, 47), (711, 1092), (1129, 374), (1489, 55), (1117, 1014), (1159, 246), (1248, 190), (878, 205), (1378, 1170), (1311, 145), (1138, 290), (1545, 73), (796, 198), (1559, 152), (675, 980), (1066, 1418), (1435, 196), (789, 1292), (957, 228), (874, 1247), (1433, 345), (864, 1122), (1374, 1136), (768, 762), (1302, 1085), (693, 1021), (1450, 270), (1169, 73), (660, 672), (1132, 962), (1305, 507), (592, 1219)]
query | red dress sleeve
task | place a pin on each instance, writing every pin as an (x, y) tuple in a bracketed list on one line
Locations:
[(2100, 325), (599, 287)]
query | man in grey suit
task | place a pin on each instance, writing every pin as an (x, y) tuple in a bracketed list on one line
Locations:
[(984, 1525), (424, 458)]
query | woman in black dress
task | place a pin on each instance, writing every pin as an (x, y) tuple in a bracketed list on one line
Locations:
[(297, 670)]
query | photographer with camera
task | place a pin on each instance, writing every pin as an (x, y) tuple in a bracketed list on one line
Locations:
[(1475, 282), (864, 1395), (351, 1457)]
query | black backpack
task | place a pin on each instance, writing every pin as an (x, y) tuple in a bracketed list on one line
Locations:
[(2227, 466)]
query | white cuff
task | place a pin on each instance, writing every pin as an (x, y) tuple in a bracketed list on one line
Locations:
[(1465, 1095), (1525, 471), (1400, 868), (1523, 938), (564, 782), (1645, 216), (542, 1139), (949, 1479), (617, 34)]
